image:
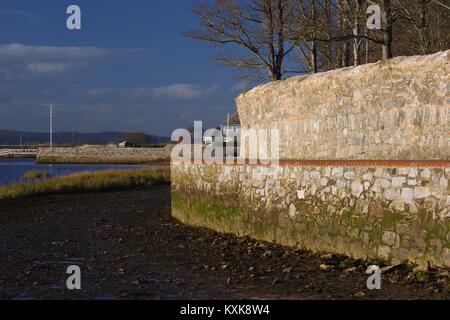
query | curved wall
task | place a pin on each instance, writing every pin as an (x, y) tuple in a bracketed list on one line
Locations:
[(395, 110)]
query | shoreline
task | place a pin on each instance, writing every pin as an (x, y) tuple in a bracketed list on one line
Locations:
[(102, 163), (104, 155), (131, 248)]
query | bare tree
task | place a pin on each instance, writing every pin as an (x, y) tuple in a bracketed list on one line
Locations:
[(267, 37), (307, 29), (423, 26), (254, 32)]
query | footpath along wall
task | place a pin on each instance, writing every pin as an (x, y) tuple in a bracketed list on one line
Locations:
[(386, 196)]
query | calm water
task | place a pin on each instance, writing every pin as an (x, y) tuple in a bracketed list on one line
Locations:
[(12, 171)]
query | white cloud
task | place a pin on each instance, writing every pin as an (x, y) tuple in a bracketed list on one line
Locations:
[(182, 91), (43, 68), (176, 91), (16, 51), (21, 61)]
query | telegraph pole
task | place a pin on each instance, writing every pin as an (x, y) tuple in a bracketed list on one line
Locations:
[(51, 105), (51, 126)]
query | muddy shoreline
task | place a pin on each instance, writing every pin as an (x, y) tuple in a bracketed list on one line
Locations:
[(129, 247)]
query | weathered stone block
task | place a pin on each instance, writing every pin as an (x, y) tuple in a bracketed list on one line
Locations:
[(397, 182), (421, 192), (357, 188), (407, 195), (391, 194)]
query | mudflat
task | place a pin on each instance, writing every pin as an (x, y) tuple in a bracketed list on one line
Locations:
[(129, 247)]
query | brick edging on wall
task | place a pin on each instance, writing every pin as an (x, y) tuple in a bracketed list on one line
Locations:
[(344, 163)]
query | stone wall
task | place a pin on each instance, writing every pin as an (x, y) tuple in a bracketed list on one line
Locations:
[(388, 110), (104, 155), (365, 165), (394, 213)]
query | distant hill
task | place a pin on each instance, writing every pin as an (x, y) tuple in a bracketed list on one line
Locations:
[(9, 137)]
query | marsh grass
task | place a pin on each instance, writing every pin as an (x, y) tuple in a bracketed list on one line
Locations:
[(88, 182), (36, 175)]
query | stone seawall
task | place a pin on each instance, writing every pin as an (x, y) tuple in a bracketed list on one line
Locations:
[(104, 155), (394, 211), (364, 171), (399, 110)]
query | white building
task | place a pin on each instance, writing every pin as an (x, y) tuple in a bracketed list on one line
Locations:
[(231, 128)]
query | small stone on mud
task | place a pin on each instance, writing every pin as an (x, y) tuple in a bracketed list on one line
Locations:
[(390, 268), (287, 270), (349, 270), (325, 267), (267, 253), (360, 294)]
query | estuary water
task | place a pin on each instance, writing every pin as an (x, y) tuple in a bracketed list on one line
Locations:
[(12, 170)]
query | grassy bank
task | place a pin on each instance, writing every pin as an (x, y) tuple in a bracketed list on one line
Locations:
[(88, 182), (36, 175)]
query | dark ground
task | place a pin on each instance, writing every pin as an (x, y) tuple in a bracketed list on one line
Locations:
[(128, 247)]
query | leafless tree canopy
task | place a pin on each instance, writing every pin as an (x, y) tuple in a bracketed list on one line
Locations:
[(258, 26), (271, 38)]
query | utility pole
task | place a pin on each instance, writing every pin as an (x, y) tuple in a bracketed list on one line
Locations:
[(51, 105), (51, 126)]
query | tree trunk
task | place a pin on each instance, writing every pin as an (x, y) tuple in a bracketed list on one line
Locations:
[(345, 59), (366, 33), (276, 75), (423, 34), (314, 68), (356, 37), (387, 30)]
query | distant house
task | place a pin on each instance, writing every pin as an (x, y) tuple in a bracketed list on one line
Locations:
[(123, 144), (231, 128), (208, 139)]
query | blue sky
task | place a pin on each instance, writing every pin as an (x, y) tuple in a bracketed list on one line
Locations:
[(129, 69)]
